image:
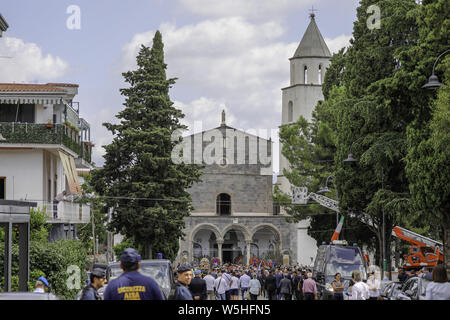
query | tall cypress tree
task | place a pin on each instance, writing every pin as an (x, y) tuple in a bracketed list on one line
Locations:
[(139, 180)]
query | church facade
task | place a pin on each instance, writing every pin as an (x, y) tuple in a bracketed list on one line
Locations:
[(234, 218)]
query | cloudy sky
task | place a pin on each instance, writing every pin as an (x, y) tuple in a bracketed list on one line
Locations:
[(226, 54)]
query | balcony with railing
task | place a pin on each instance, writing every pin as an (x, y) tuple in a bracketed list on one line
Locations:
[(53, 134), (66, 212)]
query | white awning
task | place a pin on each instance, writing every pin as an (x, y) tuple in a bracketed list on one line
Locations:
[(71, 173), (30, 99)]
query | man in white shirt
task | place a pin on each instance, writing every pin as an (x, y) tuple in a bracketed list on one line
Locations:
[(210, 286), (360, 290), (227, 279), (221, 286), (244, 283)]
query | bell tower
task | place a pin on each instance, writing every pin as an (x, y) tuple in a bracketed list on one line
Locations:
[(307, 73)]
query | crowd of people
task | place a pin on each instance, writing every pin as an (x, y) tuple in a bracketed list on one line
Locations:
[(238, 282), (244, 282)]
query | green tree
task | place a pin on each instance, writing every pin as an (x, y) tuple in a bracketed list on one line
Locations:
[(427, 161), (39, 228), (99, 213), (371, 121), (139, 179)]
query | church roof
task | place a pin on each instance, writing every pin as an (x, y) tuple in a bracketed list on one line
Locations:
[(312, 43)]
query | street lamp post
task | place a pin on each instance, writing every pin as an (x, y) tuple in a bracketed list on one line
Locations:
[(351, 159), (433, 81)]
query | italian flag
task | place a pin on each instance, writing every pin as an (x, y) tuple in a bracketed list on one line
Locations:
[(338, 230)]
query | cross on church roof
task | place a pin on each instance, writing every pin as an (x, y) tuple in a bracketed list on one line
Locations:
[(312, 14)]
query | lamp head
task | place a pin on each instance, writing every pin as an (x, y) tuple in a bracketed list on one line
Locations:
[(350, 158), (324, 190), (433, 82)]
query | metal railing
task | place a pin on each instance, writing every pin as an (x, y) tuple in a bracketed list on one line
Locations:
[(40, 133), (66, 212)]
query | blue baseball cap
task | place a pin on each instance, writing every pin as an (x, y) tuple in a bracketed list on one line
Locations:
[(130, 257), (44, 281), (197, 272)]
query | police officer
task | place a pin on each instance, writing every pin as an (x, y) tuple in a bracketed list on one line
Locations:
[(131, 284), (97, 280), (41, 285), (181, 285)]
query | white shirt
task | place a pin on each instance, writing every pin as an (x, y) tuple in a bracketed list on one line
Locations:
[(244, 281), (255, 285), (227, 279), (234, 283), (360, 291), (220, 285), (39, 290), (374, 282), (438, 291), (209, 282)]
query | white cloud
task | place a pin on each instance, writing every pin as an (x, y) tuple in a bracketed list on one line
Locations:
[(259, 9), (228, 63), (338, 43), (27, 62)]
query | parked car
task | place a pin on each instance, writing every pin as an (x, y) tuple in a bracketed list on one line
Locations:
[(28, 296), (160, 270), (391, 289), (414, 289)]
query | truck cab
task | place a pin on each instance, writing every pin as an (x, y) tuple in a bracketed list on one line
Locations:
[(337, 257)]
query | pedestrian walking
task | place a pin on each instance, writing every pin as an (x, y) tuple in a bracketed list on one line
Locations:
[(234, 287), (278, 276), (41, 285), (338, 287), (198, 286), (244, 283), (227, 279), (254, 288), (360, 290), (131, 284), (271, 286), (286, 287), (210, 291), (97, 280), (309, 288), (220, 286), (374, 286), (439, 288), (262, 280)]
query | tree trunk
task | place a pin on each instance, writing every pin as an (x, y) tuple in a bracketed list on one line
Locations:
[(147, 251)]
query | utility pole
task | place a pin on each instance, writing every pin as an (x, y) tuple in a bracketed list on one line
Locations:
[(93, 230)]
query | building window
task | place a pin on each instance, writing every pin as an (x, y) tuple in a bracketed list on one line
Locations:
[(305, 75), (320, 74), (2, 188), (290, 111), (276, 209), (17, 113), (223, 204)]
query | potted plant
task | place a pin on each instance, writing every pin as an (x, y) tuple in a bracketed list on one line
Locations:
[(49, 123)]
